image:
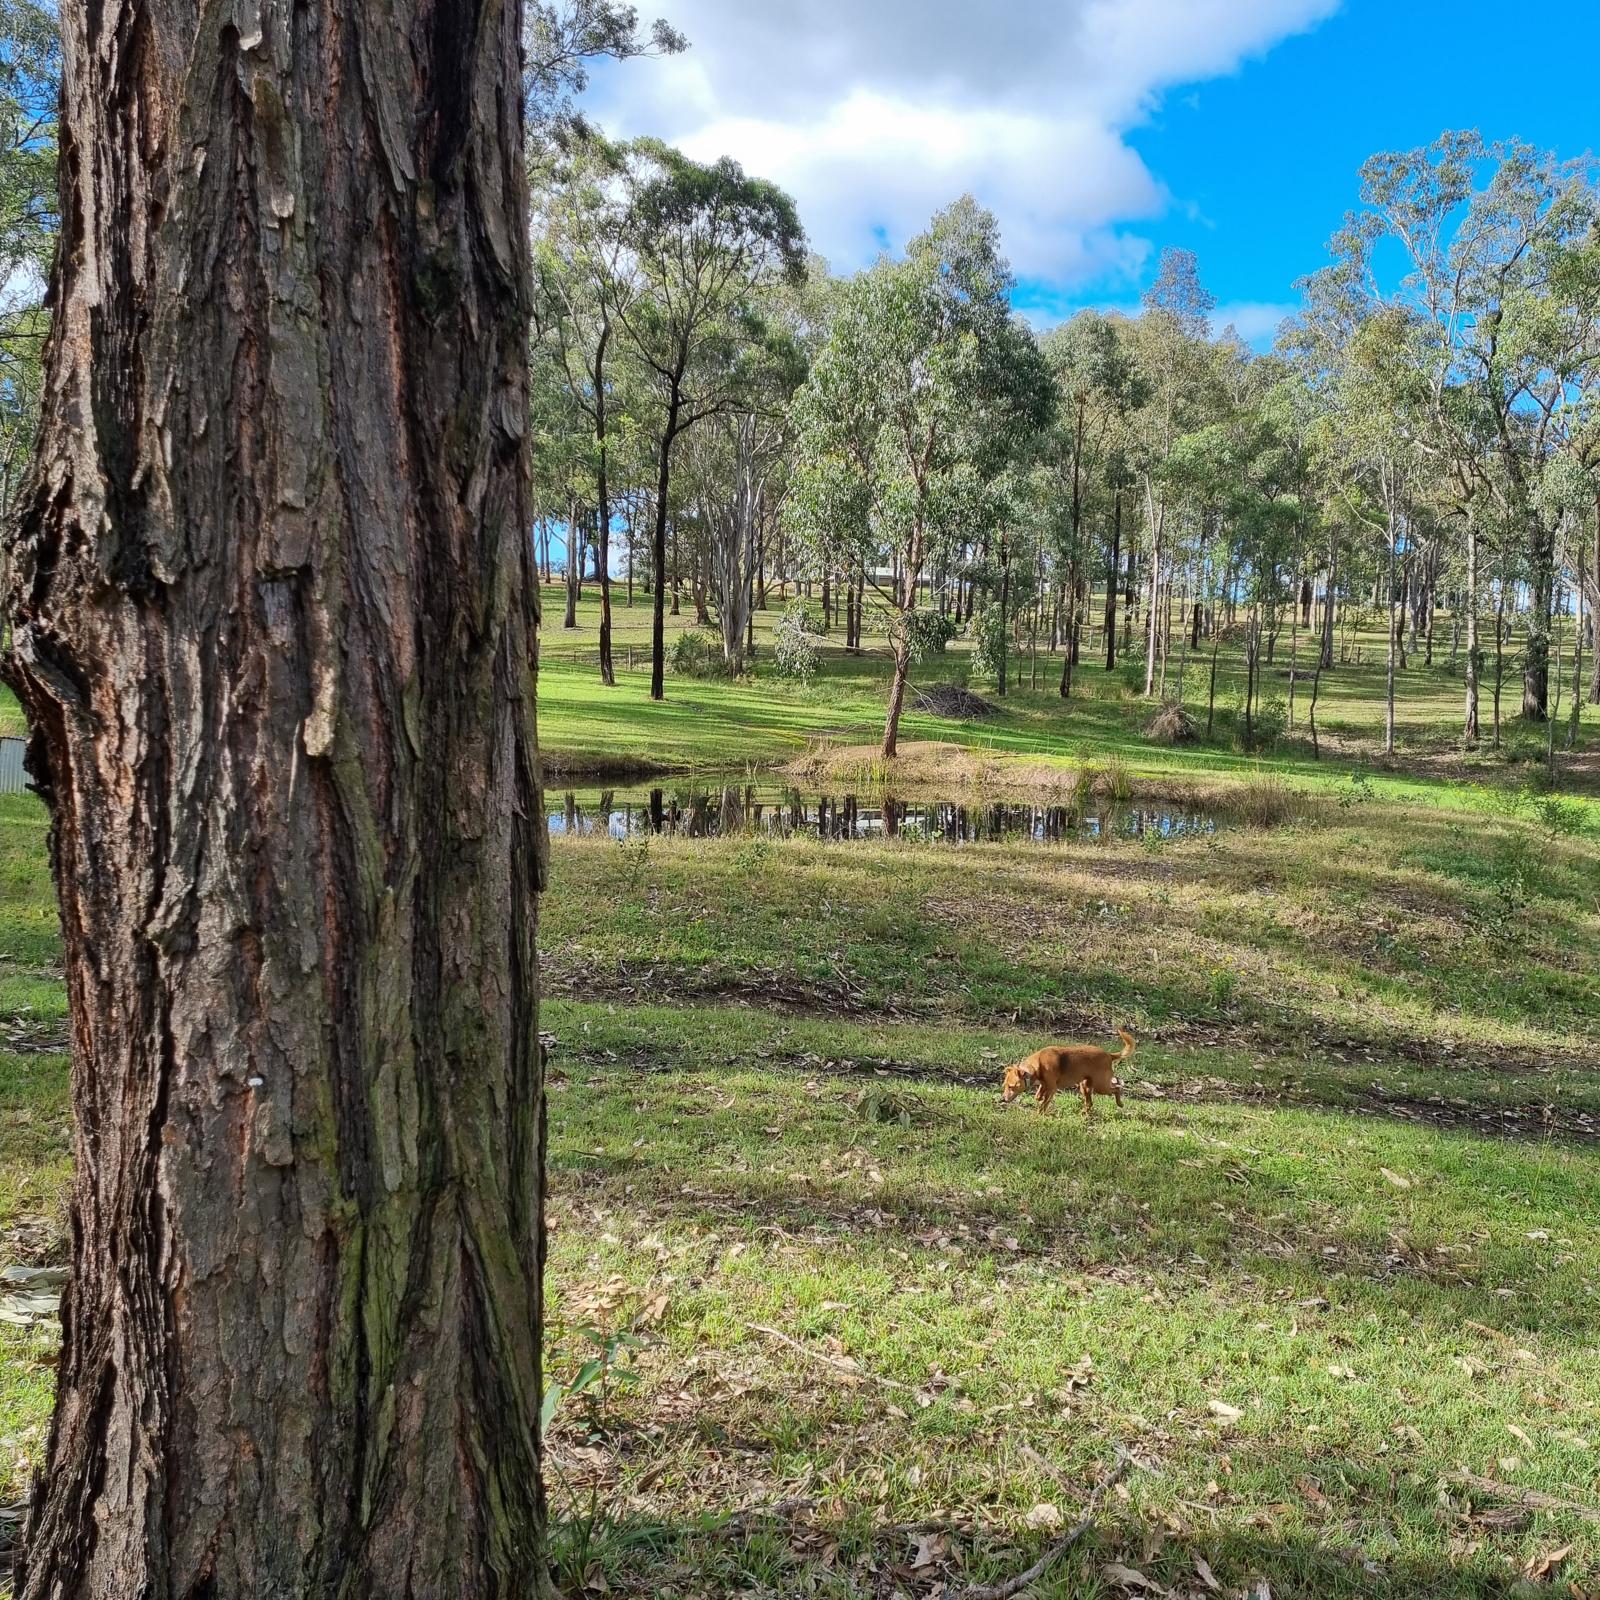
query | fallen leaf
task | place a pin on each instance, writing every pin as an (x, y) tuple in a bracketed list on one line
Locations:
[(1220, 1408), (1206, 1575), (929, 1550), (1044, 1515), (1129, 1578), (1519, 1434), (1542, 1566), (1313, 1492), (1397, 1179)]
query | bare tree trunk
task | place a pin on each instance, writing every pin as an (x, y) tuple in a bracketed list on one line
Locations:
[(1499, 655), (1111, 581), (1577, 656), (574, 567), (275, 615), (1330, 603), (1541, 597), (602, 521), (1395, 625), (658, 550), (1594, 610), (1470, 727), (906, 593)]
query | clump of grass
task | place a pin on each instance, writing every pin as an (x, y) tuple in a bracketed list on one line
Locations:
[(1085, 782), (1117, 780), (1264, 800)]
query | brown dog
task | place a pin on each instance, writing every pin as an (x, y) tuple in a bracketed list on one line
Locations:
[(1082, 1066)]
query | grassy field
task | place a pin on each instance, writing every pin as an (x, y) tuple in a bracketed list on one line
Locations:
[(849, 1327), (586, 727)]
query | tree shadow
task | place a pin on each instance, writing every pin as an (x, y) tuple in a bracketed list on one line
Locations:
[(794, 1546)]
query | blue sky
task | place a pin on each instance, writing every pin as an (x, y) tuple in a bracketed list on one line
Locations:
[(1102, 130)]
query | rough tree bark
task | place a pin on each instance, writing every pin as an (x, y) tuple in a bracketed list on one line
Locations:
[(275, 629)]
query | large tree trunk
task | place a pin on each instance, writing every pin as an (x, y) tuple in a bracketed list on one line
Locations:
[(274, 627)]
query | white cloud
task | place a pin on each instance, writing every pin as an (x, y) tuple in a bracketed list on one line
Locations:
[(873, 113)]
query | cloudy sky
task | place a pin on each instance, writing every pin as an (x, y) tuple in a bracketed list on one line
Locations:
[(1097, 130)]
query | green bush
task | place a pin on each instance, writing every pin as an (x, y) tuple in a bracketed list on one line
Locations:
[(795, 641), (697, 653)]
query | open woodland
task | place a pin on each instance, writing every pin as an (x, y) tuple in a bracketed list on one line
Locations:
[(913, 689)]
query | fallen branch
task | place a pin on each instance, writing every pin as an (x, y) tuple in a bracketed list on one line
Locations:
[(847, 1368), (1529, 1499), (1013, 1586)]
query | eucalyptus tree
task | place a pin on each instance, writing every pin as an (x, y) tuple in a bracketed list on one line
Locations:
[(924, 392), (706, 241), (1098, 385), (1509, 341), (560, 40), (1170, 338), (586, 280), (739, 464), (1362, 355), (274, 629)]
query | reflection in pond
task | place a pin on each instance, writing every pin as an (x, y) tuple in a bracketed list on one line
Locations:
[(751, 809)]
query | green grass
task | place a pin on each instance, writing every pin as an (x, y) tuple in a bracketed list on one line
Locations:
[(1339, 1248), (585, 726)]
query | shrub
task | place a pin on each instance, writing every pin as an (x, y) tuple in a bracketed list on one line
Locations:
[(794, 649), (697, 653), (989, 642), (928, 632)]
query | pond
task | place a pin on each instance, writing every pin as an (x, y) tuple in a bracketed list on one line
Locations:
[(710, 810)]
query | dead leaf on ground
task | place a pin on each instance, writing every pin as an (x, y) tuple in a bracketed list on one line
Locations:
[(1542, 1566), (929, 1549), (1045, 1516), (1399, 1180), (1222, 1410), (1129, 1578), (1207, 1577)]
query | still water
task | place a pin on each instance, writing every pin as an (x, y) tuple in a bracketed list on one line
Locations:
[(705, 810)]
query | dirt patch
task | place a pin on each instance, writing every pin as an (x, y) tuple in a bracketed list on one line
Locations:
[(952, 700)]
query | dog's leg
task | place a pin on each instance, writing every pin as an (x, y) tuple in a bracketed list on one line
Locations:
[(1116, 1089), (1088, 1098)]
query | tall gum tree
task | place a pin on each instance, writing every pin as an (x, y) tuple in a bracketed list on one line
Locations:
[(924, 392), (705, 240), (274, 626)]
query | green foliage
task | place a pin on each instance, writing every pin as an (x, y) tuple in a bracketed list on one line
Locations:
[(989, 642), (927, 631), (697, 653), (795, 642)]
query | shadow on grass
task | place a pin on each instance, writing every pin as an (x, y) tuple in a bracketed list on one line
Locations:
[(1124, 1208), (835, 1550)]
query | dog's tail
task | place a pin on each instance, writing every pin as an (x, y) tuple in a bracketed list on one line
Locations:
[(1128, 1043)]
